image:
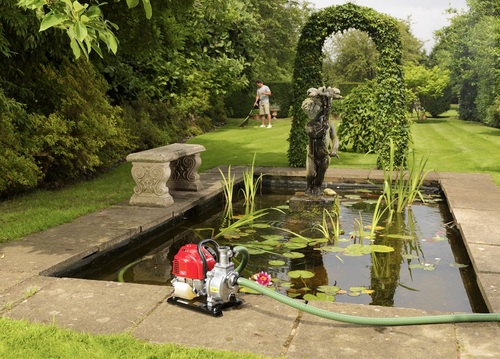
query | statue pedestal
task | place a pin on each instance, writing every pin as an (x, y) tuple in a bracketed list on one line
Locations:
[(306, 210)]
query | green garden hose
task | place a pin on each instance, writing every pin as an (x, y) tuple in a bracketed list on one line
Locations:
[(244, 260), (121, 274), (434, 319)]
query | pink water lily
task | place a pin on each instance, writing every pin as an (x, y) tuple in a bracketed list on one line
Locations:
[(263, 278)]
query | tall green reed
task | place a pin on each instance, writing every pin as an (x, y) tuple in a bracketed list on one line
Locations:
[(251, 187), (402, 187), (228, 191), (330, 223)]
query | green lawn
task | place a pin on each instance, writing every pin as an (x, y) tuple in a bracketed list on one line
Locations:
[(458, 146), (20, 339), (452, 145)]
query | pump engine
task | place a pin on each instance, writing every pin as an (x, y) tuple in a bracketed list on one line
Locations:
[(205, 278)]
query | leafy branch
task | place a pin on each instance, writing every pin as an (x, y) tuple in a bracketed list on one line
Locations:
[(85, 25)]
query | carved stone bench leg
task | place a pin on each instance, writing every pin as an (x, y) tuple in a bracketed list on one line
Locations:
[(151, 184), (185, 175)]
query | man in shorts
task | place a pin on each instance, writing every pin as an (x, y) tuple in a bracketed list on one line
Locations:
[(262, 98)]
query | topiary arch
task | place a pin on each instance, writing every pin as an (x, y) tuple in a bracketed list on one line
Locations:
[(389, 94)]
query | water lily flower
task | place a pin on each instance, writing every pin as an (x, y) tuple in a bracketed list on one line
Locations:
[(263, 278)]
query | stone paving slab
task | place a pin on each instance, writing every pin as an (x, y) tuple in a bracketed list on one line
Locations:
[(10, 279), (18, 292), (260, 326), (489, 284), (91, 306), (485, 257), (478, 340), (480, 181), (480, 227), (323, 338)]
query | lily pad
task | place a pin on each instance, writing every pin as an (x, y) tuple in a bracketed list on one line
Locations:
[(318, 241), (272, 237), (379, 248), (271, 242), (329, 289), (424, 266), (300, 274), (416, 266), (410, 256), (439, 238), (353, 196), (400, 236), (357, 289), (261, 225), (334, 249), (294, 245), (300, 240), (348, 203), (255, 251), (320, 296), (276, 263), (458, 265), (293, 255)]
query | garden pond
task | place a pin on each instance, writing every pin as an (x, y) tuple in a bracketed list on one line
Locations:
[(418, 261)]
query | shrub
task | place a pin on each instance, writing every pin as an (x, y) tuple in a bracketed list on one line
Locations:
[(436, 105), (84, 133), (359, 127), (17, 165)]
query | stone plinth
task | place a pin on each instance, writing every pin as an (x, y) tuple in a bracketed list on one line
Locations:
[(157, 170), (306, 210)]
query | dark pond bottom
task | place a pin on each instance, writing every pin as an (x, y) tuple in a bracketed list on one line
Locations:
[(428, 268)]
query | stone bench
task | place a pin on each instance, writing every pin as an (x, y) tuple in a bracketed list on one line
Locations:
[(157, 170)]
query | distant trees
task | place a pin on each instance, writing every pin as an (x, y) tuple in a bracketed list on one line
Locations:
[(351, 57), (469, 49), (429, 88)]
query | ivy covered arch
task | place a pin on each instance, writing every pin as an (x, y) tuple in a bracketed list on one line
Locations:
[(389, 90)]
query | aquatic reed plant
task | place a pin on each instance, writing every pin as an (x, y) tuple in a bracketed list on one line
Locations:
[(402, 188), (330, 224), (251, 187), (244, 221), (360, 229), (378, 213), (228, 190)]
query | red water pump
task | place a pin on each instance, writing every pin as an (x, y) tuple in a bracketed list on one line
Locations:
[(205, 278)]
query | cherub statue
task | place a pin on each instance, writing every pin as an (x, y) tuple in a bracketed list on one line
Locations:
[(323, 141)]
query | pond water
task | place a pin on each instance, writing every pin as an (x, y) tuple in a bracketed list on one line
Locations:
[(426, 268)]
